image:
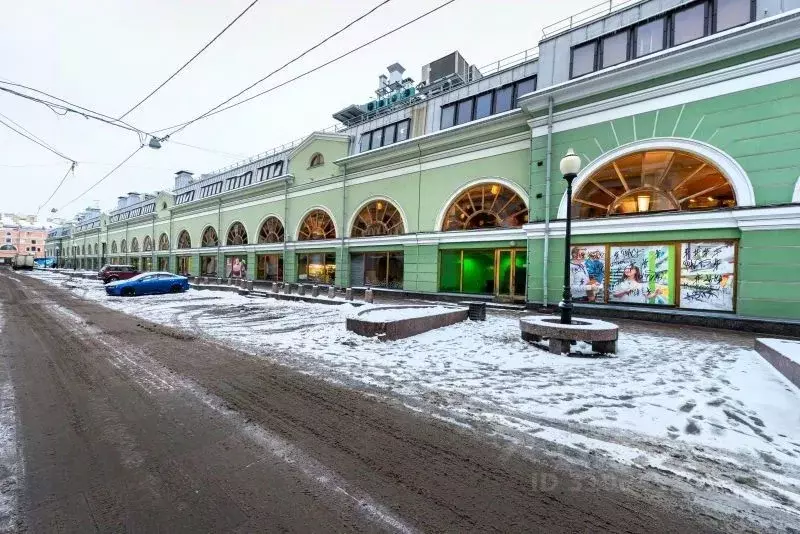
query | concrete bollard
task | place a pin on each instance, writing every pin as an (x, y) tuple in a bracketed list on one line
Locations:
[(368, 296), (287, 288), (331, 292), (315, 290), (275, 287), (348, 293), (249, 285), (301, 289)]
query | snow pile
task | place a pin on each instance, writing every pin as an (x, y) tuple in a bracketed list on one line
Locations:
[(708, 411), (382, 314)]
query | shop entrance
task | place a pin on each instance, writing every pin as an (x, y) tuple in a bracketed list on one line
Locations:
[(498, 272), (510, 274)]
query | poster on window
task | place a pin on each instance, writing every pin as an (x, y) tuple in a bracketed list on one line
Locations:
[(707, 276), (235, 267), (641, 274), (587, 273)]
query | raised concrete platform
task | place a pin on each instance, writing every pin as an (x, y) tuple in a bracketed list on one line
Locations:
[(601, 334), (783, 354), (397, 322)]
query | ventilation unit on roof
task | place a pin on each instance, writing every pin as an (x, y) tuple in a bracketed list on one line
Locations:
[(446, 73)]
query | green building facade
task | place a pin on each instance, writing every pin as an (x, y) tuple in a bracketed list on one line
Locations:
[(688, 198)]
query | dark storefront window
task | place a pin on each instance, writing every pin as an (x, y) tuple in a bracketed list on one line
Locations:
[(163, 264), (270, 267), (184, 265), (319, 267), (377, 269)]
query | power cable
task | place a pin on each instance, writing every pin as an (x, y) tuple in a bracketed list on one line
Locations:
[(296, 58), (32, 138), (98, 182), (70, 170), (231, 23)]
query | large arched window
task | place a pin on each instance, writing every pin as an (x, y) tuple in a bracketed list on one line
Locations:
[(237, 235), (163, 242), (271, 231), (124, 247), (490, 205), (8, 247), (113, 247), (650, 181), (147, 244), (134, 245), (378, 218), (184, 241), (317, 225), (209, 238)]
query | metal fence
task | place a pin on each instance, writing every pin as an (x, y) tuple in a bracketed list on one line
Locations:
[(588, 15)]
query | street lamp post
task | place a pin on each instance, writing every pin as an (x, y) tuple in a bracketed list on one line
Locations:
[(570, 166)]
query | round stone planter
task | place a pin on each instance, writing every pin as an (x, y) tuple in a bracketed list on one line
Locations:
[(601, 334)]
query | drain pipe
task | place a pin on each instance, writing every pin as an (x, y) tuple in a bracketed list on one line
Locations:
[(343, 229), (548, 178)]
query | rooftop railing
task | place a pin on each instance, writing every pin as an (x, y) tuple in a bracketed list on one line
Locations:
[(587, 15), (510, 61)]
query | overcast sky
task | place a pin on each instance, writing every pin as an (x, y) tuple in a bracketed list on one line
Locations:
[(108, 54)]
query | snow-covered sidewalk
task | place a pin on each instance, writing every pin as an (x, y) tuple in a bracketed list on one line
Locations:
[(708, 412)]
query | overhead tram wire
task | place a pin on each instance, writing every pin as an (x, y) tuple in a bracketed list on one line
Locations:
[(180, 126), (105, 176), (296, 58), (165, 82), (70, 170), (31, 137)]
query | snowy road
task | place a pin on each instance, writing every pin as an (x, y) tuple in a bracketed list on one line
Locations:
[(710, 416)]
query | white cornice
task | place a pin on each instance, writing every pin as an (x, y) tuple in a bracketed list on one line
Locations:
[(768, 218), (716, 47)]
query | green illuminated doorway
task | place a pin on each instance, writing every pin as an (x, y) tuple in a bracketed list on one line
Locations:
[(510, 274)]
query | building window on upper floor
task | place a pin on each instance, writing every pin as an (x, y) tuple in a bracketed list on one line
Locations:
[(690, 23), (673, 28), (270, 171), (485, 104), (384, 136), (316, 160), (732, 13), (33, 241)]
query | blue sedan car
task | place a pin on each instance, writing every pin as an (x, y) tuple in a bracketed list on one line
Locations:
[(148, 284)]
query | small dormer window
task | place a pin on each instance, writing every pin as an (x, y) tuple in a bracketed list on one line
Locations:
[(316, 160)]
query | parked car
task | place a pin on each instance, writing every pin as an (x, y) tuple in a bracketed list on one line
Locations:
[(112, 273), (148, 284)]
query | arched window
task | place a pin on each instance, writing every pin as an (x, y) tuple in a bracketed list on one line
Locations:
[(490, 205), (316, 160), (317, 225), (8, 247), (271, 231), (113, 247), (184, 241), (653, 180), (123, 247), (163, 242), (134, 245), (237, 235), (209, 238), (147, 244), (378, 218)]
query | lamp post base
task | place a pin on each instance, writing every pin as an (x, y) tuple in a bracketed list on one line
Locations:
[(566, 312)]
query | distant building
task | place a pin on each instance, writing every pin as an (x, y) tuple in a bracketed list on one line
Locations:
[(19, 237)]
